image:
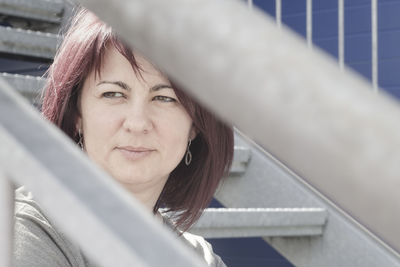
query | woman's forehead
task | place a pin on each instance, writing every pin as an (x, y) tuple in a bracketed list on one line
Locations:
[(116, 65)]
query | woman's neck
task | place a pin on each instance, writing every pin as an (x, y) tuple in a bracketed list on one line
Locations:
[(146, 195)]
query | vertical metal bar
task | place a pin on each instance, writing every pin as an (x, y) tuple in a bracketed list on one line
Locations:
[(250, 4), (309, 23), (6, 220), (341, 33), (374, 46), (278, 12)]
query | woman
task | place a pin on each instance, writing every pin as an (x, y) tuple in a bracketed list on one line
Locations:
[(139, 127)]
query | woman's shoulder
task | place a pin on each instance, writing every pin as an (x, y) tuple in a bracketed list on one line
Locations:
[(203, 248), (26, 208), (196, 242), (36, 241)]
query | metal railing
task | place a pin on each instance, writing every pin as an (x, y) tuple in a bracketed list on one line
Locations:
[(341, 34)]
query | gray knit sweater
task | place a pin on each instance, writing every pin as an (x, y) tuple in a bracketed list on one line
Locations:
[(38, 243)]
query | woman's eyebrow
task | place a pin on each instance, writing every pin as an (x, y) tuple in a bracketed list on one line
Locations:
[(126, 87), (118, 83), (159, 87)]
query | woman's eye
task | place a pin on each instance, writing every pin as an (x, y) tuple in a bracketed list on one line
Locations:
[(113, 95), (164, 98)]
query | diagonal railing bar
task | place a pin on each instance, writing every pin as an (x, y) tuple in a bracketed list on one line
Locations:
[(322, 123), (96, 212)]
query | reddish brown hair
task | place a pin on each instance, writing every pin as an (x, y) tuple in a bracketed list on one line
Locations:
[(189, 189)]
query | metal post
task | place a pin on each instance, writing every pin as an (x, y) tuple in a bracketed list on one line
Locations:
[(278, 12), (374, 46), (309, 23), (6, 220), (250, 4), (341, 33)]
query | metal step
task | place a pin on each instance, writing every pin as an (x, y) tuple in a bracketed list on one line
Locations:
[(241, 159), (43, 10), (28, 43), (28, 86), (264, 222)]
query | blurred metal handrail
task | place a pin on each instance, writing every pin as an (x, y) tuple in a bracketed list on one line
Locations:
[(324, 124)]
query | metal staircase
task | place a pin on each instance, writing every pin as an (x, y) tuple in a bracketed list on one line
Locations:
[(29, 31), (263, 197)]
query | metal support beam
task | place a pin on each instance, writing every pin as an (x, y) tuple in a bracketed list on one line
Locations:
[(63, 179), (6, 220), (251, 222)]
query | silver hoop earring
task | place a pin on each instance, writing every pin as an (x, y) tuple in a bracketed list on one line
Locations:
[(188, 156), (80, 141)]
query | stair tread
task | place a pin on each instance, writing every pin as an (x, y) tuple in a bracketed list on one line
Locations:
[(43, 10)]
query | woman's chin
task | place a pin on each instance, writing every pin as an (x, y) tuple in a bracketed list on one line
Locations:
[(137, 184)]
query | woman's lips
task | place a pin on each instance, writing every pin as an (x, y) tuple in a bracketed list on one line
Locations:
[(134, 153)]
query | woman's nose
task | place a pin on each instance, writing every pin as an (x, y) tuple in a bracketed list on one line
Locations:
[(137, 119)]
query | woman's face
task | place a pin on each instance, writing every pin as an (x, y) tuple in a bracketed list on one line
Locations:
[(133, 127)]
